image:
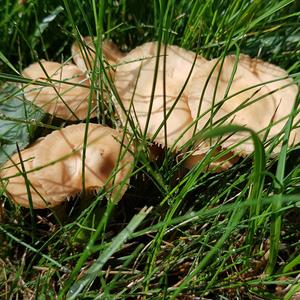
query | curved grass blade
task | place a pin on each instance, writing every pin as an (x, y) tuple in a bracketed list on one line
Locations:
[(257, 180)]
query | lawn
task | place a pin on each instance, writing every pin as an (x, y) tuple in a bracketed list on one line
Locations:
[(176, 233)]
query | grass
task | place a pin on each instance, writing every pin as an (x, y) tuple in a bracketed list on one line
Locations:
[(176, 234)]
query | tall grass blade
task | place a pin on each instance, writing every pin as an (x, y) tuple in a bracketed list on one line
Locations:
[(117, 242)]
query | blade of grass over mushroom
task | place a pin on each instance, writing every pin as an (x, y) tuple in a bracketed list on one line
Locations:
[(60, 81), (227, 46), (27, 183), (167, 18), (99, 74), (17, 79), (120, 239), (98, 70), (155, 73), (259, 153), (86, 130), (172, 108), (99, 24), (137, 134)]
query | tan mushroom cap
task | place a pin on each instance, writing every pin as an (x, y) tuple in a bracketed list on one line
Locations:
[(66, 99), (63, 149), (216, 165), (16, 187), (134, 79), (84, 55), (257, 107)]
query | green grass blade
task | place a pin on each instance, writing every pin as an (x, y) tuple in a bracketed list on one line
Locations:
[(276, 220), (117, 242)]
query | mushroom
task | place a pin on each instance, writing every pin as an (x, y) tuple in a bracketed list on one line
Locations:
[(147, 106), (13, 179), (84, 54), (219, 162), (107, 161), (260, 97), (67, 94), (54, 166)]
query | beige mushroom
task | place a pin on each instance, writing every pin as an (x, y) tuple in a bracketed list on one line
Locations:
[(67, 94), (13, 179), (84, 54), (134, 80), (53, 166), (251, 101), (220, 160), (60, 157)]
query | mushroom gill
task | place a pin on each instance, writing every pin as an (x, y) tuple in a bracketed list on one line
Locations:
[(66, 91)]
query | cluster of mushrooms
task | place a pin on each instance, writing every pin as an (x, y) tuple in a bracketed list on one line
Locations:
[(169, 95)]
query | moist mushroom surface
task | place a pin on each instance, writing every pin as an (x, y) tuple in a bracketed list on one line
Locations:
[(14, 179), (84, 54), (151, 99), (67, 93), (54, 166), (245, 97), (107, 161)]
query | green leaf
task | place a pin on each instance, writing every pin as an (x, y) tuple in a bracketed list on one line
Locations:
[(17, 120)]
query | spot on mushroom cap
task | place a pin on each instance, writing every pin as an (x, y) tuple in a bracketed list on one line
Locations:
[(16, 188), (63, 149), (268, 104), (84, 55), (66, 99), (134, 80)]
